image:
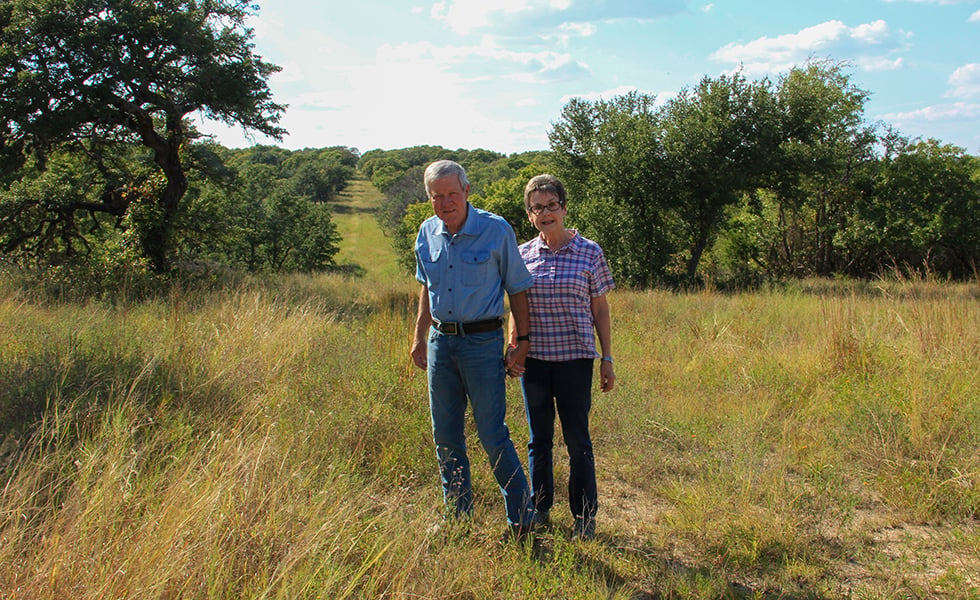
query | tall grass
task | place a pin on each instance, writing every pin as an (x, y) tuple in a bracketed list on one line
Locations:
[(272, 441)]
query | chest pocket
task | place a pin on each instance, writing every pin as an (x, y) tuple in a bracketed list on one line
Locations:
[(430, 265), (476, 267)]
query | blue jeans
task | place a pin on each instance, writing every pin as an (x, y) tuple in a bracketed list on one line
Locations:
[(472, 366), (567, 386)]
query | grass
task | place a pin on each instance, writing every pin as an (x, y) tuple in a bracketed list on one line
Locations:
[(364, 250), (272, 441)]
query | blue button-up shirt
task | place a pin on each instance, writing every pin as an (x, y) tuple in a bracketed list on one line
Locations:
[(467, 273)]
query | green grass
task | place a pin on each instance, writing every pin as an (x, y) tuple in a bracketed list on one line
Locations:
[(272, 441), (364, 249)]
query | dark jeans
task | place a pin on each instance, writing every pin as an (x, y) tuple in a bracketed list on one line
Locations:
[(567, 387)]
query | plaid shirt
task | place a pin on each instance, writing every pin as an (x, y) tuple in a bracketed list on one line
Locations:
[(565, 282)]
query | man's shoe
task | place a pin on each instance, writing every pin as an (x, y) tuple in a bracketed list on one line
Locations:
[(584, 529), (518, 533)]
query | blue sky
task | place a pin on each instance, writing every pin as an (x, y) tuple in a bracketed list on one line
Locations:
[(495, 74)]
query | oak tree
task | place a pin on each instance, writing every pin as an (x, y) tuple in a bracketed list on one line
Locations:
[(88, 77)]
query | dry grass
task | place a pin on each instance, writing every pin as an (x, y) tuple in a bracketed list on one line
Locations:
[(274, 443)]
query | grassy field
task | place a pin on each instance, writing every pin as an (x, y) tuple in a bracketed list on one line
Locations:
[(364, 250), (272, 441)]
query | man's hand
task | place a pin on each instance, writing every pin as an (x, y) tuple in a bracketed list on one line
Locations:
[(420, 344), (515, 357), (420, 354)]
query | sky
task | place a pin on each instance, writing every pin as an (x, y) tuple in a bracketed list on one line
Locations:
[(495, 74)]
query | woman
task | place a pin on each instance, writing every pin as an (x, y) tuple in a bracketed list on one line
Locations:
[(568, 310)]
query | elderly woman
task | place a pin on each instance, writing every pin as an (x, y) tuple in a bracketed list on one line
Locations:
[(568, 310)]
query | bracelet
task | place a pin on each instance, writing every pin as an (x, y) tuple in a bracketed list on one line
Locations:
[(524, 338), (607, 359)]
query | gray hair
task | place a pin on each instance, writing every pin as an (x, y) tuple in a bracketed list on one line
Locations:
[(444, 168), (545, 183)]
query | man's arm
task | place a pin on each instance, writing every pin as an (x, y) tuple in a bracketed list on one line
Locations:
[(420, 345), (519, 312)]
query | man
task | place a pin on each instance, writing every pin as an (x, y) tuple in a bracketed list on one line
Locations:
[(466, 259)]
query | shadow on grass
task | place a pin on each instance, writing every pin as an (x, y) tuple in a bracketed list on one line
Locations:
[(653, 577), (349, 270), (347, 209)]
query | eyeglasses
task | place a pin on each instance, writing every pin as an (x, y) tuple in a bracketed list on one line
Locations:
[(552, 206)]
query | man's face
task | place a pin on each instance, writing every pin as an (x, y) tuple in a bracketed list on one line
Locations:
[(448, 199)]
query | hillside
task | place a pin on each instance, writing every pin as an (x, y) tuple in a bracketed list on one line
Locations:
[(364, 248), (272, 440)]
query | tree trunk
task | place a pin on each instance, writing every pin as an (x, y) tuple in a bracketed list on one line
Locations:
[(692, 265), (158, 238)]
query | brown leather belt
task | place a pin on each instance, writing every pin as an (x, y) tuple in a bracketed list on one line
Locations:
[(449, 328)]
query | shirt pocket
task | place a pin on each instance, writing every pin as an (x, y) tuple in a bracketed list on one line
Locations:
[(476, 267), (430, 266)]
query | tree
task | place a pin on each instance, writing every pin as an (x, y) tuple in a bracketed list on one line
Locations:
[(922, 210), (720, 139), (790, 221), (825, 143), (610, 156), (274, 210), (505, 197), (88, 76)]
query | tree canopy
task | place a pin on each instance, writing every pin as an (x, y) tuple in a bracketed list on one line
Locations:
[(765, 179), (94, 78)]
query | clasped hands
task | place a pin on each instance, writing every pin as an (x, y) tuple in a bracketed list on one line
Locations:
[(514, 359)]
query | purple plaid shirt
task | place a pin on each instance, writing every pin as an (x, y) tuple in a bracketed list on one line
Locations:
[(565, 282)]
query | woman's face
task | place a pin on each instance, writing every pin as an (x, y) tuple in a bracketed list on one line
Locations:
[(551, 213)]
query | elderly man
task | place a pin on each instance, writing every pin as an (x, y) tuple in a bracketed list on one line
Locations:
[(466, 259)]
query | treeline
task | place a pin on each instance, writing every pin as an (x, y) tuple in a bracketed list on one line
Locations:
[(259, 209), (742, 182), (733, 182), (271, 209), (398, 175)]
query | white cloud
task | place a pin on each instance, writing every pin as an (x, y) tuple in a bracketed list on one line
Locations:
[(880, 64), (579, 29), (525, 17), (965, 82), (868, 45), (707, 8), (607, 95), (959, 111), (975, 17), (420, 93), (465, 16)]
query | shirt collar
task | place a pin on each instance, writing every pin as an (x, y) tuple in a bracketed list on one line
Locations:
[(572, 245), (468, 224)]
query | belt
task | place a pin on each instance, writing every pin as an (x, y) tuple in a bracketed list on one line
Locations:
[(449, 328)]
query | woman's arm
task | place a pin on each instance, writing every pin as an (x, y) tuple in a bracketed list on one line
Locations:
[(603, 328)]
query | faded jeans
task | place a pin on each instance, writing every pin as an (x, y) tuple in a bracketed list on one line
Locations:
[(472, 367)]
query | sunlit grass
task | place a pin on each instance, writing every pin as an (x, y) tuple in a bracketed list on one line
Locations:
[(275, 443), (364, 249), (272, 440)]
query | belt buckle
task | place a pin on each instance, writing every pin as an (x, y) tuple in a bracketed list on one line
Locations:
[(450, 328)]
